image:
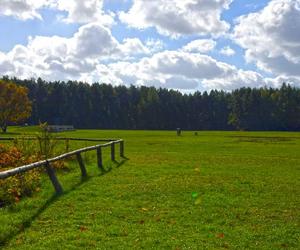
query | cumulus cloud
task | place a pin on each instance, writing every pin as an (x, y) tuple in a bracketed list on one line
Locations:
[(84, 57), (271, 37), (277, 81), (176, 17), (69, 58), (20, 9), (154, 44), (94, 40), (82, 11), (183, 70), (77, 11), (227, 51), (200, 46)]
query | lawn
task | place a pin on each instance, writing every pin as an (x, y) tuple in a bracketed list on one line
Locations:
[(217, 190)]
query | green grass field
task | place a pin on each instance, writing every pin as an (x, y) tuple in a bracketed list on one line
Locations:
[(217, 190)]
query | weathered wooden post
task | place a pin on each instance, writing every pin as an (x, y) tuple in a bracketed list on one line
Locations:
[(67, 145), (121, 148), (50, 171), (99, 158), (81, 165), (112, 151)]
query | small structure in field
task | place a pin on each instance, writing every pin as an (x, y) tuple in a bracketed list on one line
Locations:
[(60, 128), (178, 131)]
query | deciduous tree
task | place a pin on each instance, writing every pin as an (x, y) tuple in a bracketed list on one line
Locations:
[(15, 105)]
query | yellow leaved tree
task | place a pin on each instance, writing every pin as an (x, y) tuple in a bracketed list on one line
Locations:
[(15, 105)]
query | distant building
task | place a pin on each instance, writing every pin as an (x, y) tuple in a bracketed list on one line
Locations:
[(60, 128)]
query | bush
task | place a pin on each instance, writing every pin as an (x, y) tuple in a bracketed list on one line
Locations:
[(13, 188)]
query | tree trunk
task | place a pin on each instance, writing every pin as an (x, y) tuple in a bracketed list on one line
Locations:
[(4, 128)]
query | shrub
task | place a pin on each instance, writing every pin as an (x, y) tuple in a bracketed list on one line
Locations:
[(13, 188)]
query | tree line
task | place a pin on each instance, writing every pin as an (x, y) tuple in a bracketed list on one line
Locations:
[(120, 107)]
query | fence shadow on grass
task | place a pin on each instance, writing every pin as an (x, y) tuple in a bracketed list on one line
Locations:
[(54, 198), (115, 164)]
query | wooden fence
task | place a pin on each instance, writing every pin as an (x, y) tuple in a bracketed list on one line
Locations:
[(49, 169)]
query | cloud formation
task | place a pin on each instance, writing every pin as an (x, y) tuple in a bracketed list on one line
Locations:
[(200, 46), (68, 58), (176, 17), (24, 10), (227, 51), (88, 56), (271, 37), (98, 52), (80, 11), (77, 11), (183, 70)]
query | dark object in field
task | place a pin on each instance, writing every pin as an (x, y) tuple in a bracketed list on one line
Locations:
[(196, 133), (179, 131), (60, 128)]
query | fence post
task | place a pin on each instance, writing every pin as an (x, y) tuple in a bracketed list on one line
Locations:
[(121, 148), (99, 158), (112, 152), (81, 165), (50, 171), (67, 145)]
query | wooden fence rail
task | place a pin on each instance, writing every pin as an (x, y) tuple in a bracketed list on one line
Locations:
[(59, 139), (50, 171)]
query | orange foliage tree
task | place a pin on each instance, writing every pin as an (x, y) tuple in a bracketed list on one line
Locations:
[(15, 105)]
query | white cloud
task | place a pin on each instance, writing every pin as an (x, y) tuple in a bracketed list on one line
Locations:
[(94, 40), (183, 70), (227, 51), (20, 9), (154, 45), (133, 46), (68, 58), (277, 81), (5, 65), (57, 58), (200, 46), (88, 55), (77, 11), (271, 37), (176, 17), (80, 11)]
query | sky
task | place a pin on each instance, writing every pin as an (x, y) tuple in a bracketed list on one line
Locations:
[(187, 45)]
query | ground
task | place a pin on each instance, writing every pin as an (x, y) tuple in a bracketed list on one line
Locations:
[(235, 190)]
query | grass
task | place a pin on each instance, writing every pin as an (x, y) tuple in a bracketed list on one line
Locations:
[(217, 190)]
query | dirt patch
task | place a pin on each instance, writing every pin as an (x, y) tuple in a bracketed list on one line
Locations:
[(261, 139)]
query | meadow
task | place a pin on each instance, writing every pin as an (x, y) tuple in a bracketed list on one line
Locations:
[(214, 190)]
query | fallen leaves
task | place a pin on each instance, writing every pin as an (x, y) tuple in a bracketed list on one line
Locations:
[(220, 235), (83, 228)]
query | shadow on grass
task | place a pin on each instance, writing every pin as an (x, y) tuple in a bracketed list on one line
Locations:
[(9, 133), (120, 163), (28, 221), (115, 164)]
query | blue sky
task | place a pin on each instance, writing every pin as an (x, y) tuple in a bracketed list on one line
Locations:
[(181, 44)]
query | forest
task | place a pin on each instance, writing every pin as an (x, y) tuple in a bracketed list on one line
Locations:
[(105, 106)]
